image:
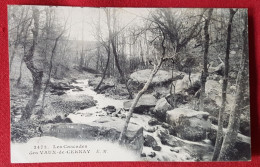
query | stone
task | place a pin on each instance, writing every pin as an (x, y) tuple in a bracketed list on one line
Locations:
[(184, 84), (160, 109), (109, 109), (196, 149), (165, 125), (123, 116), (151, 129), (145, 103), (142, 76), (213, 90), (156, 148), (175, 150), (69, 104), (149, 141), (189, 124), (242, 144), (172, 130), (143, 155), (167, 139), (152, 154), (153, 122), (100, 130)]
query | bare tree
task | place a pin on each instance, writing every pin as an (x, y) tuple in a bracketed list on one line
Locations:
[(107, 47), (142, 91), (50, 71), (37, 74), (113, 43), (241, 85), (219, 138), (204, 74), (24, 44), (19, 30)]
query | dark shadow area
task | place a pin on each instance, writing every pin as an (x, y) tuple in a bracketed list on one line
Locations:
[(255, 135)]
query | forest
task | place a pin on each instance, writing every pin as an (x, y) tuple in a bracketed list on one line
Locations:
[(171, 84)]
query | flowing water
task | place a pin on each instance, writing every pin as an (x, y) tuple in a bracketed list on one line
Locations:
[(93, 113)]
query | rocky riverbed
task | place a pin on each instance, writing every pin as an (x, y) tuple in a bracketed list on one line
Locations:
[(157, 131)]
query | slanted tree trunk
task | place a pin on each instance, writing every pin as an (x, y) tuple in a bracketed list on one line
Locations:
[(204, 73), (106, 68), (219, 138), (234, 119), (49, 74), (112, 40), (36, 73), (141, 92)]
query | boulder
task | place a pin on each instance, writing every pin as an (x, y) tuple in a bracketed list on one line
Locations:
[(213, 90), (165, 125), (189, 124), (103, 88), (242, 146), (152, 154), (153, 122), (176, 100), (175, 150), (245, 125), (160, 77), (149, 141), (197, 150), (109, 109), (134, 137), (186, 83), (151, 129), (145, 104), (167, 139), (157, 148), (160, 109), (69, 104)]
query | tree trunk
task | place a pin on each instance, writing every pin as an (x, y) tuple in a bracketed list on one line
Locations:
[(36, 73), (122, 136), (204, 73), (49, 74), (24, 51), (234, 119), (20, 72), (106, 68), (13, 55), (219, 138), (138, 96), (112, 40), (18, 37)]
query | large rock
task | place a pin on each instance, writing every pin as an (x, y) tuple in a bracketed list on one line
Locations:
[(160, 109), (198, 150), (145, 104), (189, 124), (160, 77), (213, 90), (149, 141), (242, 147), (68, 104), (134, 137), (186, 83)]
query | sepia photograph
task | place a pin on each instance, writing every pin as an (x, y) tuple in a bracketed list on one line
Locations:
[(128, 84)]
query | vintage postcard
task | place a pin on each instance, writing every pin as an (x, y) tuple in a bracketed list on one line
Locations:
[(128, 84)]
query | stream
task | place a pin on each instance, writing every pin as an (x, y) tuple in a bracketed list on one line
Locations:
[(91, 114)]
